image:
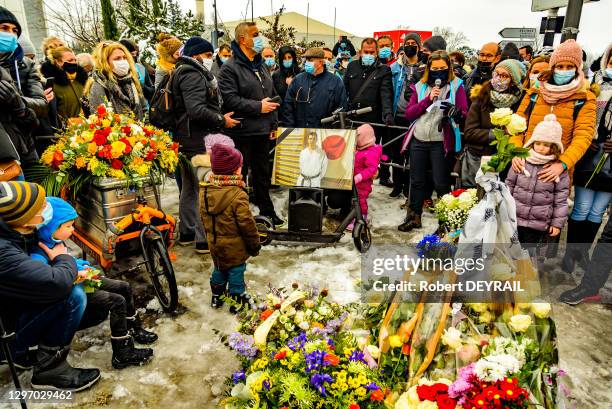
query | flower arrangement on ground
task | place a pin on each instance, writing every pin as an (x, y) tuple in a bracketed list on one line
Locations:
[(453, 208)]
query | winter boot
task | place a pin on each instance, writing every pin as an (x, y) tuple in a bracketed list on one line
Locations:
[(412, 221), (124, 353), (242, 302), (589, 231), (140, 335), (52, 371), (217, 293), (578, 295), (572, 248)]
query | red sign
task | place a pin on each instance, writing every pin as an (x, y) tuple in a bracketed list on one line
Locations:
[(399, 35)]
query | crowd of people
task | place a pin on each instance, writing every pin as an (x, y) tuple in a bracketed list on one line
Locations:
[(430, 116)]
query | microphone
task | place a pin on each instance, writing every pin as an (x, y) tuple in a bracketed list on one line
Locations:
[(437, 84)]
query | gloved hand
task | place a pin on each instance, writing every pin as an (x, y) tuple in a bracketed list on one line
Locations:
[(10, 97), (608, 146), (451, 111), (358, 178), (445, 120), (389, 121), (82, 264)]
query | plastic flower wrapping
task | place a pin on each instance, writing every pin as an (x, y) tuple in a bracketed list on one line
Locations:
[(110, 145)]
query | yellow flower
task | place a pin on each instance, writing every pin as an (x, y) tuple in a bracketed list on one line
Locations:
[(106, 123), (92, 148), (374, 351), (501, 116), (486, 317), (80, 162), (540, 309), (47, 156), (118, 174), (520, 322), (260, 364), (478, 307), (87, 136), (117, 149), (516, 125), (395, 341), (361, 392)]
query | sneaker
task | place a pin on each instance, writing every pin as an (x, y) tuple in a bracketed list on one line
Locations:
[(186, 239), (579, 295), (202, 248)]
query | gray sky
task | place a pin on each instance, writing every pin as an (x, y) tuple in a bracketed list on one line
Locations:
[(480, 20)]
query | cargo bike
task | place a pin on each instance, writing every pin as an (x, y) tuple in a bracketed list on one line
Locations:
[(121, 224)]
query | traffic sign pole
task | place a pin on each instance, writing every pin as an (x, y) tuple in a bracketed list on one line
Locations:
[(572, 20)]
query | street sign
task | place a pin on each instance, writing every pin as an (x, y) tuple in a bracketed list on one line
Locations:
[(522, 32), (518, 43), (543, 5)]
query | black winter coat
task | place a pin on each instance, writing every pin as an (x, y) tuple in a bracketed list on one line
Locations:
[(197, 107), (318, 97), (378, 94), (28, 81), (280, 76), (24, 281), (243, 84)]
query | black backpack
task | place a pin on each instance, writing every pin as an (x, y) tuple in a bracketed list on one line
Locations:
[(161, 111)]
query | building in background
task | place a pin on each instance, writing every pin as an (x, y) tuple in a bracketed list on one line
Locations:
[(310, 29), (33, 23)]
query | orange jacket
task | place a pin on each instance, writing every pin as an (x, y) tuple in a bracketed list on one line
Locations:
[(577, 136)]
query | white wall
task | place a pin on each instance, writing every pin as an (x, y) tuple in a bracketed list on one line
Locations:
[(18, 9)]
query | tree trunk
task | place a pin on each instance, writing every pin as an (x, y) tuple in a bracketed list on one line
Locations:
[(109, 20)]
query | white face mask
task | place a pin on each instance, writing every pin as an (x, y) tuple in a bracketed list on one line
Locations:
[(121, 67), (207, 63)]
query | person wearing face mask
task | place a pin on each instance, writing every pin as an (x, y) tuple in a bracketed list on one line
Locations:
[(247, 89), (593, 193), (224, 54), (148, 89), (437, 112), (69, 85), (329, 61), (344, 45), (488, 56), (385, 50), (22, 99), (538, 65), (38, 301), (342, 62), (458, 60), (313, 95), (197, 109), (406, 71), (269, 58), (287, 70), (564, 92), (115, 80), (505, 90)]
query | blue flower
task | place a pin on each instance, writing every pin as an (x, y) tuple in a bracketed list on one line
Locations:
[(238, 376), (266, 384), (372, 387), (314, 360), (317, 381), (243, 345), (298, 342), (357, 356)]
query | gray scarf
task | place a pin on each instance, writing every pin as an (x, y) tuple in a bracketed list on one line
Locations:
[(504, 99)]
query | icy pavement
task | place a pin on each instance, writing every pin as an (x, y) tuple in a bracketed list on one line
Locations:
[(190, 364)]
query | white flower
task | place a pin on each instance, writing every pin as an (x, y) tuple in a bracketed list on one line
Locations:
[(374, 351), (452, 338), (495, 368), (290, 311), (501, 116), (324, 310), (540, 309), (520, 322), (304, 325), (299, 317), (136, 130), (516, 125)]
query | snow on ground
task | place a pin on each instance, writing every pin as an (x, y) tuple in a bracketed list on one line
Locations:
[(190, 363)]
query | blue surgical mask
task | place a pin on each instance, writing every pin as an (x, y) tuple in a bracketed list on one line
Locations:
[(563, 77), (8, 42), (258, 44), (47, 216), (309, 67), (384, 53), (224, 59), (270, 61), (287, 63), (343, 45), (328, 65), (368, 59), (609, 72)]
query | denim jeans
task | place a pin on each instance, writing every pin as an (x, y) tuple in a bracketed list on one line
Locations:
[(51, 325), (426, 156), (114, 296), (590, 205), (233, 278)]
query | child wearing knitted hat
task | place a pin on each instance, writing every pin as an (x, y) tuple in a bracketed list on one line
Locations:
[(230, 227), (367, 159), (541, 207)]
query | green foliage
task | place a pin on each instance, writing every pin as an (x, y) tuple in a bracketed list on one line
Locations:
[(506, 151), (109, 20), (278, 34)]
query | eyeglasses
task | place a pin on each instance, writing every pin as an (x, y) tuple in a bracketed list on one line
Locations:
[(299, 92), (502, 76)]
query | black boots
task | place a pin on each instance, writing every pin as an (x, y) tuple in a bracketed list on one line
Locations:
[(580, 237), (217, 292), (579, 294), (241, 302), (412, 221), (52, 371), (125, 354), (140, 335)]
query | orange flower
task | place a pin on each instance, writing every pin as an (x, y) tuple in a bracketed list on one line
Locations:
[(80, 162), (317, 325), (92, 148), (406, 349), (264, 315), (377, 395), (331, 359)]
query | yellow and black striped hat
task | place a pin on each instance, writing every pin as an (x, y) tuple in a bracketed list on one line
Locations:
[(20, 202)]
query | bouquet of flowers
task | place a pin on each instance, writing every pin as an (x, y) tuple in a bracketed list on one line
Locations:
[(453, 208), (107, 145), (508, 124), (427, 395), (90, 279)]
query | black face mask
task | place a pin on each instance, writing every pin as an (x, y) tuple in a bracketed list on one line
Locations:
[(441, 75), (485, 67), (411, 50), (424, 57), (70, 67)]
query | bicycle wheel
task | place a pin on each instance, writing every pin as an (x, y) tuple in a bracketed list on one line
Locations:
[(264, 225), (362, 237), (162, 273)]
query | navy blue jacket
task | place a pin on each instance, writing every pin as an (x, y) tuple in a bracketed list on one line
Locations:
[(310, 99)]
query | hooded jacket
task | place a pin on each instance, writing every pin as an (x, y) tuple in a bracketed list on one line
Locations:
[(378, 93), (243, 84), (62, 213), (25, 281), (68, 93), (280, 76), (197, 105), (230, 227)]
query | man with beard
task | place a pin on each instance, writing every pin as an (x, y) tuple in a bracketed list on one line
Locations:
[(488, 57)]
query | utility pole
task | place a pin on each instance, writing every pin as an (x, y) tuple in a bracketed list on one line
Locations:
[(572, 20), (334, 39), (307, 18), (215, 36), (252, 14)]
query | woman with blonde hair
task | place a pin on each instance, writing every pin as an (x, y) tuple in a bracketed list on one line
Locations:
[(49, 44), (167, 48), (115, 81)]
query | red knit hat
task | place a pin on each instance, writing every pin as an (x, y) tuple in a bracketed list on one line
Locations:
[(568, 50), (224, 159)]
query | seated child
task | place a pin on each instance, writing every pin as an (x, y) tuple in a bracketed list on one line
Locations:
[(229, 224), (367, 159), (112, 295), (202, 162), (541, 207)]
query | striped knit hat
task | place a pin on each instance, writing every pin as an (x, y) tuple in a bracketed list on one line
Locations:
[(20, 202)]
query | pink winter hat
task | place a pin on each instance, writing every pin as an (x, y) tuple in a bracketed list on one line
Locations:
[(365, 136), (215, 138), (548, 131), (570, 51)]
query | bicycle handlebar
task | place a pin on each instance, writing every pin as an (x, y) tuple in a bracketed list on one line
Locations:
[(354, 112)]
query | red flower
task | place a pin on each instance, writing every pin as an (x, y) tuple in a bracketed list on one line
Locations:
[(100, 137), (354, 406), (105, 152), (116, 164), (58, 158), (445, 402), (427, 392), (151, 155), (264, 315), (91, 126), (126, 130), (280, 355), (331, 359), (175, 147), (128, 147), (457, 192), (101, 110), (377, 395), (152, 144), (406, 349), (480, 401)]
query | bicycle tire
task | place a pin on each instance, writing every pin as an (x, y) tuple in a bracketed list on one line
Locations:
[(157, 257)]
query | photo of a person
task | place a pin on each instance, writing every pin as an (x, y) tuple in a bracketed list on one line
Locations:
[(313, 162)]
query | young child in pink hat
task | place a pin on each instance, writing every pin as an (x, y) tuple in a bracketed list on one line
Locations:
[(367, 159)]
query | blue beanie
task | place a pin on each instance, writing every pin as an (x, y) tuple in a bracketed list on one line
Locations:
[(197, 45)]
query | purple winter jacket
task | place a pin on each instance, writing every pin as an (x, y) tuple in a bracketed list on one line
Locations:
[(539, 205)]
